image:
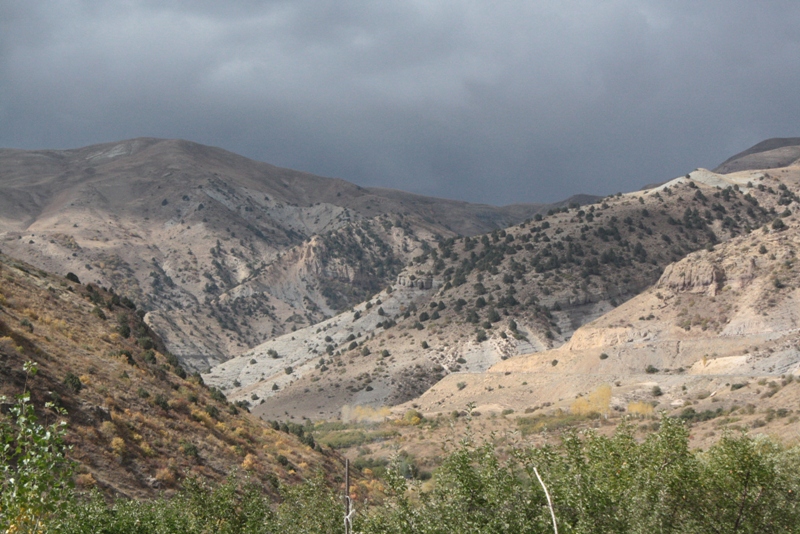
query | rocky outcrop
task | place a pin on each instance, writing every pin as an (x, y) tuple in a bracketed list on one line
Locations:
[(691, 276)]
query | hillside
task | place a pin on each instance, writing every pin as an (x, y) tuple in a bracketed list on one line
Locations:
[(222, 252), (471, 303), (137, 423), (769, 154), (719, 333)]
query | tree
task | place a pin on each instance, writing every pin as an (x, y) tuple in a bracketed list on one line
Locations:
[(36, 482)]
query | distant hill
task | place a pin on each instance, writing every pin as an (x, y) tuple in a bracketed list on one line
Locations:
[(223, 252), (470, 303), (717, 334), (769, 154)]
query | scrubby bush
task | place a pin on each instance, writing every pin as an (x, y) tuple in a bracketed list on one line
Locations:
[(73, 383)]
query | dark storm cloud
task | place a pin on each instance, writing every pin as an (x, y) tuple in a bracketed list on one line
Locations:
[(489, 102)]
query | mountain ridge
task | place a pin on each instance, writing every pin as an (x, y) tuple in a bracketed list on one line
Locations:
[(198, 236)]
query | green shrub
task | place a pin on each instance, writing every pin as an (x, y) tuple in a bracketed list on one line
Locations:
[(161, 401), (73, 383), (149, 357), (36, 482)]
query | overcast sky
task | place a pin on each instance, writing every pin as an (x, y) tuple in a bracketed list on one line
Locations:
[(495, 102)]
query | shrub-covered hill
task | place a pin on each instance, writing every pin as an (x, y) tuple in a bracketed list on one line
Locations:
[(222, 251), (137, 423), (483, 299)]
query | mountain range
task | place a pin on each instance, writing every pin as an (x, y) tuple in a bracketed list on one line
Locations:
[(223, 252), (309, 297)]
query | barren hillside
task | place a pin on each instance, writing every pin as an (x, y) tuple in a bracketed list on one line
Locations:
[(222, 251)]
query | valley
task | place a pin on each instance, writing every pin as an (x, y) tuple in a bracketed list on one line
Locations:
[(376, 320)]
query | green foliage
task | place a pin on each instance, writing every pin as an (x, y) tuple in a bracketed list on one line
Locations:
[(149, 357), (598, 484), (36, 476), (73, 382), (233, 507), (605, 484), (161, 401)]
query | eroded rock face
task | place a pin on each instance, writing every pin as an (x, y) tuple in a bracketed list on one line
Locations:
[(693, 277)]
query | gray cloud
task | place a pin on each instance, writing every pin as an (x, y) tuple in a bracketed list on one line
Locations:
[(488, 102)]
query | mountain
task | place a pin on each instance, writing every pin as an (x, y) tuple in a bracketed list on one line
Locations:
[(137, 423), (223, 252), (470, 303), (768, 154)]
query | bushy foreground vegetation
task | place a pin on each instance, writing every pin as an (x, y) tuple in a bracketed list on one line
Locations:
[(598, 485)]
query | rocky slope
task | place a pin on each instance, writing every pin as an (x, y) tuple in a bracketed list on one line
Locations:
[(722, 322), (222, 251), (137, 423), (471, 303)]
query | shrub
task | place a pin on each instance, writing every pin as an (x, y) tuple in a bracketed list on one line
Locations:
[(36, 481), (161, 402), (189, 449), (149, 357), (124, 330), (73, 383), (650, 369), (603, 356)]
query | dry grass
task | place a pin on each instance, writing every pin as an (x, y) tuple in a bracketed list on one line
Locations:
[(121, 438)]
